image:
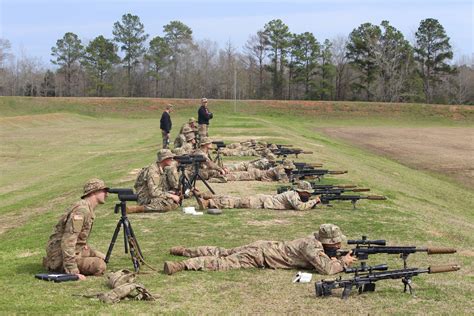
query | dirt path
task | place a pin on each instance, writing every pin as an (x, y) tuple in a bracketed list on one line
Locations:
[(448, 150)]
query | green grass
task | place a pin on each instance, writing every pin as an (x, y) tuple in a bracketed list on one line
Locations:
[(50, 147)]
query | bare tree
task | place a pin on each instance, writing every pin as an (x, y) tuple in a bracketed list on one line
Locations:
[(340, 61), (255, 50)]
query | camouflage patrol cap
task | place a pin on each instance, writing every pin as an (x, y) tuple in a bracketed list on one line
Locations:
[(304, 186), (93, 185), (273, 146), (329, 234), (205, 141), (191, 120), (164, 154), (187, 129)]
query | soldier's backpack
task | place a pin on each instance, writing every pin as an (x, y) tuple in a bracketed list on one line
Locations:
[(142, 179)]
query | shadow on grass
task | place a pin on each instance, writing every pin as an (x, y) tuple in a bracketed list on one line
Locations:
[(29, 268)]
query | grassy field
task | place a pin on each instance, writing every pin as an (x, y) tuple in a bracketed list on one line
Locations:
[(50, 147)]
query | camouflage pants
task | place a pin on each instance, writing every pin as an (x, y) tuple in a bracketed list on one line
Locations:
[(250, 256), (253, 201), (89, 262), (251, 174), (203, 131), (157, 204), (166, 139), (218, 251), (261, 164), (238, 152), (212, 175), (241, 166)]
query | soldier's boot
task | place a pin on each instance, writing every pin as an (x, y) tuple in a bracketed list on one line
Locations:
[(177, 251), (135, 209), (171, 267), (212, 204), (204, 195), (203, 204)]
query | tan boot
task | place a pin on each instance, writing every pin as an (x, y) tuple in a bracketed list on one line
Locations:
[(135, 209), (171, 267), (177, 251), (203, 204)]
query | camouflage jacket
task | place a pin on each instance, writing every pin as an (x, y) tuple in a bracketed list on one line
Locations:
[(179, 141), (303, 253), (185, 149), (208, 164), (287, 201), (156, 182), (69, 238)]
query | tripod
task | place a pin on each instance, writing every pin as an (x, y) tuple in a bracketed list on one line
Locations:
[(196, 176), (184, 182), (130, 241)]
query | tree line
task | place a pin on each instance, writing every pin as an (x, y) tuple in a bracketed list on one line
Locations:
[(373, 63)]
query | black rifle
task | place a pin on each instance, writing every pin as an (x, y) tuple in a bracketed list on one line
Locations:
[(289, 151), (300, 174), (301, 165), (190, 183), (327, 198), (318, 187), (338, 191), (130, 240), (280, 146), (365, 247), (366, 282)]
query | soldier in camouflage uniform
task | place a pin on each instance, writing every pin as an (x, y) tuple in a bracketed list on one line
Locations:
[(247, 148), (67, 250), (156, 185), (297, 199), (188, 147), (278, 173), (261, 163), (314, 252), (209, 169), (186, 128)]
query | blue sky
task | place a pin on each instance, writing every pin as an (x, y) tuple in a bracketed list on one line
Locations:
[(34, 26)]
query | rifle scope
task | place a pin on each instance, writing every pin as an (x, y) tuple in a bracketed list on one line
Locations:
[(365, 241)]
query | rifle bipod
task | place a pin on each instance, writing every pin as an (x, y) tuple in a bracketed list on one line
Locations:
[(129, 238)]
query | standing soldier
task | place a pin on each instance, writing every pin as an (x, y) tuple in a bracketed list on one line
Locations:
[(165, 125), (203, 119), (156, 185), (314, 252), (67, 249)]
